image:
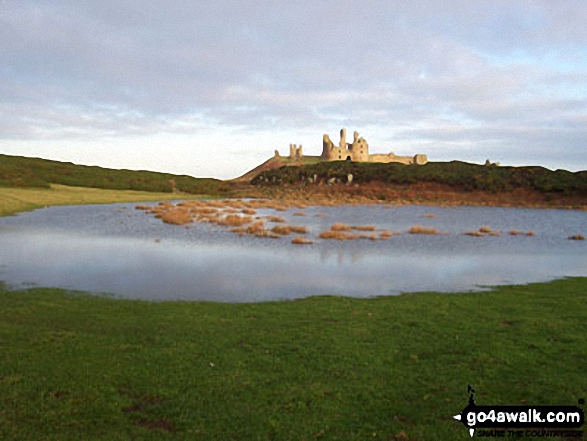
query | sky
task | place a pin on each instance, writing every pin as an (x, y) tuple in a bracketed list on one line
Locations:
[(211, 88)]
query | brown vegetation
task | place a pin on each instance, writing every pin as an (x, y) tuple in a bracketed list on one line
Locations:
[(177, 216), (234, 220), (288, 229), (301, 241), (337, 226), (275, 219), (576, 237), (364, 227), (419, 229), (338, 235)]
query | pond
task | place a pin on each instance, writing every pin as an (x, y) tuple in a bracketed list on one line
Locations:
[(119, 250)]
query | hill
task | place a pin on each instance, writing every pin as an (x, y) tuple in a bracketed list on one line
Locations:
[(18, 171), (456, 174), (274, 163)]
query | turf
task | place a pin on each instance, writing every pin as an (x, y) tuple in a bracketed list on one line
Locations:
[(22, 172), (456, 174), (75, 366), (13, 200)]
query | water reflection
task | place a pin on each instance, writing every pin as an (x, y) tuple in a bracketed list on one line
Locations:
[(106, 249)]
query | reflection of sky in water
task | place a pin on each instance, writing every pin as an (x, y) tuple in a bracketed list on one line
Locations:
[(111, 249)]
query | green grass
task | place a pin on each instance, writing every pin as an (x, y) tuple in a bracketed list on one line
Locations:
[(457, 174), (74, 366), (14, 200), (17, 171)]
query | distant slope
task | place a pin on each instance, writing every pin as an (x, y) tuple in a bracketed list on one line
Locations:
[(275, 163), (456, 174), (18, 171)]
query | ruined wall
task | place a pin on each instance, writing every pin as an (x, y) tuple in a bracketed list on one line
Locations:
[(418, 159), (295, 152), (358, 151)]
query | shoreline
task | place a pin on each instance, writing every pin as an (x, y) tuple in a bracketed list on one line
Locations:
[(416, 194), (18, 200)]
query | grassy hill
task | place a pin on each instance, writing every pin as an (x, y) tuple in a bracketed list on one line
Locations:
[(17, 171), (459, 175)]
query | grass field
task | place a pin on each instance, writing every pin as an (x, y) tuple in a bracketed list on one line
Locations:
[(19, 171), (74, 366), (456, 174), (13, 200)]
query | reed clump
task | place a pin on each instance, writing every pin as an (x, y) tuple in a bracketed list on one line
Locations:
[(483, 231), (364, 227), (429, 216), (288, 229), (337, 226), (385, 234), (419, 229), (176, 216), (338, 235), (275, 219), (298, 240), (576, 237), (234, 220)]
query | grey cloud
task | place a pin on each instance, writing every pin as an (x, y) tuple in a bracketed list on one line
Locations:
[(428, 71)]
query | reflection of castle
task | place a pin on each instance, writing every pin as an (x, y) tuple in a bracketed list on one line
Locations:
[(357, 151)]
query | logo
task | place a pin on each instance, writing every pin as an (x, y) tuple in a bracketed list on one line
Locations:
[(530, 421)]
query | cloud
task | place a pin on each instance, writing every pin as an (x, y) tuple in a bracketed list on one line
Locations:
[(510, 75)]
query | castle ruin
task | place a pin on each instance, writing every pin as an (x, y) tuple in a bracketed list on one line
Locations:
[(357, 151)]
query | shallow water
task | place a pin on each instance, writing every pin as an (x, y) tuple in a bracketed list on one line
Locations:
[(117, 249)]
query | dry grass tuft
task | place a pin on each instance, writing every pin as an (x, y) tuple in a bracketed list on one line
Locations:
[(301, 241), (385, 234), (217, 204), (275, 219), (282, 230), (474, 233), (249, 211), (485, 229), (299, 213), (320, 215), (143, 207), (234, 220), (429, 216), (338, 235), (177, 216), (298, 229), (513, 232), (419, 229), (576, 237), (337, 226), (206, 210), (530, 233), (364, 227)]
